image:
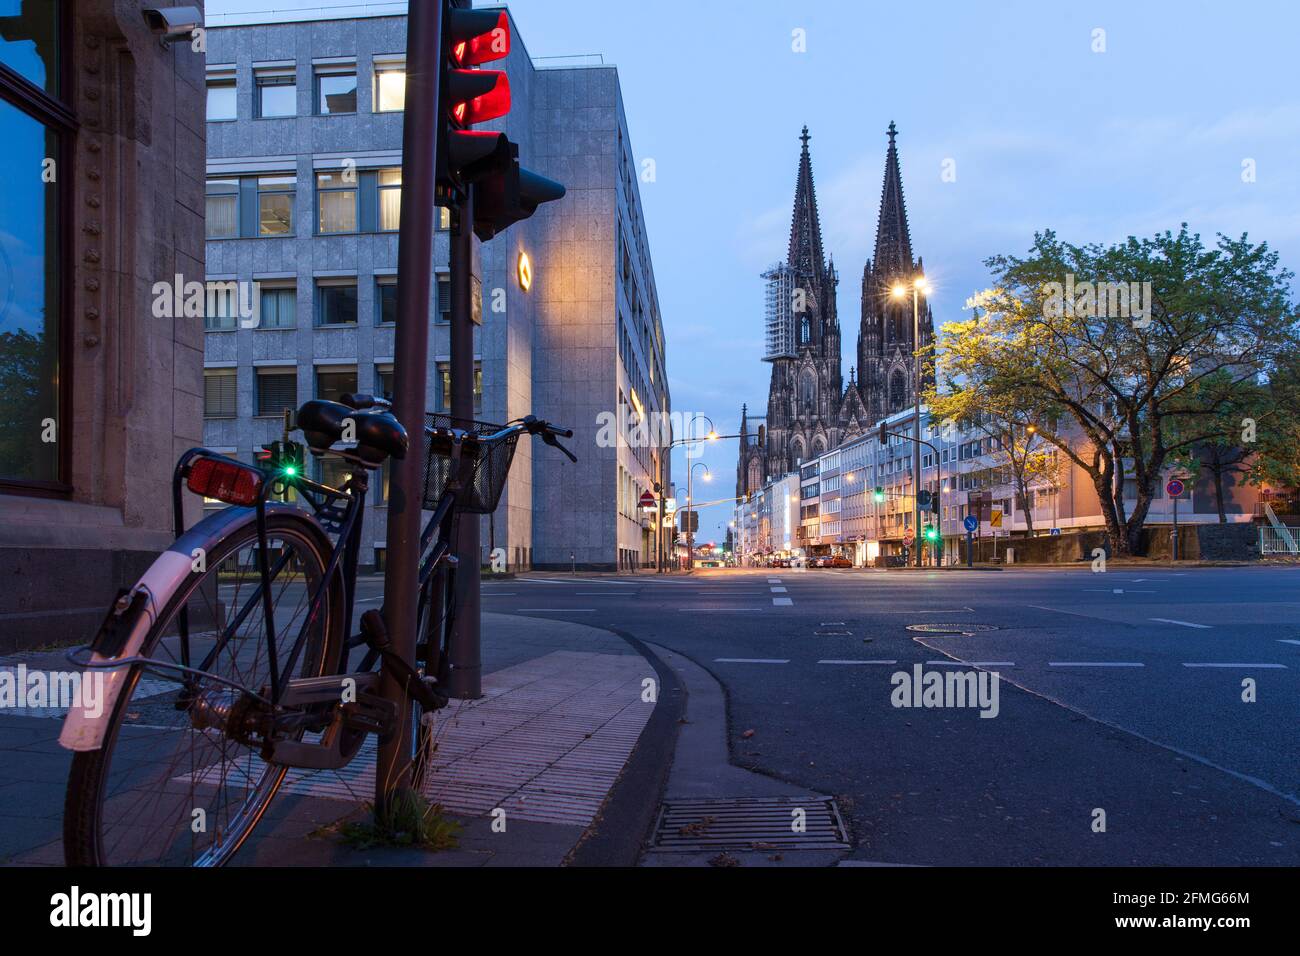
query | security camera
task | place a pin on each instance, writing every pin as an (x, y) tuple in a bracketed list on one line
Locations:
[(173, 24)]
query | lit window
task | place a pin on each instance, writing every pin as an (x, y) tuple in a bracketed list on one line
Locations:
[(275, 205), (336, 200), (390, 89), (390, 198)]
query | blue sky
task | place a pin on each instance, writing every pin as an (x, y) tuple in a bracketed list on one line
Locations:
[(1043, 132)]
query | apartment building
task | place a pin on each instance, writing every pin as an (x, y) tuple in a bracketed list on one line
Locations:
[(303, 196)]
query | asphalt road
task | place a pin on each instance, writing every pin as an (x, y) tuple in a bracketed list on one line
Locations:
[(1119, 693)]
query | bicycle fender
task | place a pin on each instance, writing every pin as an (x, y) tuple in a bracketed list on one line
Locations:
[(84, 727)]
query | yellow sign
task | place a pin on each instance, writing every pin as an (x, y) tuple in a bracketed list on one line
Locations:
[(995, 518)]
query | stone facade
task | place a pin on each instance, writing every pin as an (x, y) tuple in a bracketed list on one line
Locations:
[(132, 188)]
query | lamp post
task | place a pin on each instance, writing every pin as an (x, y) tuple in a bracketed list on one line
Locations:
[(919, 287), (690, 534), (668, 450)]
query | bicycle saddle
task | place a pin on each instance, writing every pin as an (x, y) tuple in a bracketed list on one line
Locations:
[(378, 434)]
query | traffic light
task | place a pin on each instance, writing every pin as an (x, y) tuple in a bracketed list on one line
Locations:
[(879, 494), (884, 434), (486, 162), (931, 533), (923, 499), (281, 459)]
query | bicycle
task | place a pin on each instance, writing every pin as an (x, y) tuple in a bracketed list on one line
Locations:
[(230, 657)]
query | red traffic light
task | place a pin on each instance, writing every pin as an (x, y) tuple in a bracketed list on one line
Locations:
[(479, 36), (477, 96)]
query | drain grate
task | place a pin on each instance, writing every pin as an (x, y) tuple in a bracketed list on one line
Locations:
[(750, 823), (951, 628)]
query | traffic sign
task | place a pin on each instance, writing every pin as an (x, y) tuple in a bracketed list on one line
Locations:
[(1056, 532), (995, 518), (1174, 489), (648, 502), (970, 523)]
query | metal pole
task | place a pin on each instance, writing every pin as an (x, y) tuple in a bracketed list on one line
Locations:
[(464, 679), (690, 522), (410, 373), (916, 423), (659, 525)]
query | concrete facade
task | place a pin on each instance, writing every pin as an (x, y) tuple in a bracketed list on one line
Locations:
[(131, 182), (553, 350)]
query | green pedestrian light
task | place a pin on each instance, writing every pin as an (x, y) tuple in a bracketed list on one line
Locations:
[(879, 495)]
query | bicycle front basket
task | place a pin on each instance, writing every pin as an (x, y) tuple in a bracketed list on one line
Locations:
[(484, 465)]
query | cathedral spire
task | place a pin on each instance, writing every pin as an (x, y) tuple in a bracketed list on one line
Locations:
[(805, 255), (893, 244)]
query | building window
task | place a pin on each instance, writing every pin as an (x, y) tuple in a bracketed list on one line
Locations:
[(333, 381), (336, 199), (443, 394), (336, 303), (277, 95), (384, 381), (33, 421), (390, 198), (336, 92), (221, 99), (223, 208), (386, 300), (219, 393), (444, 218), (275, 205), (220, 306), (334, 471), (279, 307), (390, 87), (444, 297), (277, 391)]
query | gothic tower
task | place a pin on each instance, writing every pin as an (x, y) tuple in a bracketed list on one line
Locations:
[(806, 389), (885, 338)]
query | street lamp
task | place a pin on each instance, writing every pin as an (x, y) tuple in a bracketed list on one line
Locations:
[(659, 483), (690, 502), (919, 288)]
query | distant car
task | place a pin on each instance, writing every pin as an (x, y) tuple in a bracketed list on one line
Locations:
[(839, 561)]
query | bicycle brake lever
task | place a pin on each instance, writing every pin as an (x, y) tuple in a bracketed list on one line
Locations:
[(554, 442)]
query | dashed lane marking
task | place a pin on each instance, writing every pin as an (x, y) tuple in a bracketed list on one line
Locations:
[(778, 590), (1095, 664), (559, 610), (751, 660), (1286, 641), (832, 661), (1234, 665), (1167, 620), (782, 602)]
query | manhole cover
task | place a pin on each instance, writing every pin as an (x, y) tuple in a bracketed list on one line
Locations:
[(951, 628), (750, 823)]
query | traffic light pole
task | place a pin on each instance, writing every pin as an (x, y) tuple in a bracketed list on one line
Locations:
[(465, 667), (410, 374), (916, 421)]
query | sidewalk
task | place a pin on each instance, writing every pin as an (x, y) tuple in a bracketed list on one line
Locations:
[(561, 716)]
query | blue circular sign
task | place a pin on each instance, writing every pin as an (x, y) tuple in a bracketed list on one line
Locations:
[(970, 523), (1174, 489)]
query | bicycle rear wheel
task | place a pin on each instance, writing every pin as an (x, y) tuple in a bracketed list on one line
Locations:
[(171, 785)]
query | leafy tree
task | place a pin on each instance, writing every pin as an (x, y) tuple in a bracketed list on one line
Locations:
[(1141, 382)]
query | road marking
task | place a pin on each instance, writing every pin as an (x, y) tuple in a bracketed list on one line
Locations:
[(751, 660), (1042, 607), (782, 602), (1166, 620), (931, 610), (1094, 664), (1269, 666), (1117, 591), (778, 590), (856, 662), (370, 600), (973, 663), (485, 594), (557, 610), (841, 624), (704, 610), (600, 593), (773, 580), (1285, 641)]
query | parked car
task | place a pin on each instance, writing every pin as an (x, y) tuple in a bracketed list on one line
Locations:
[(839, 561)]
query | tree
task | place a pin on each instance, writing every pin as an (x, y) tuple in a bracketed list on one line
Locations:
[(1122, 354)]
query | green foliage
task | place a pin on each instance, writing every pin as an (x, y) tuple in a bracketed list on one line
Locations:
[(1123, 395), (406, 820)]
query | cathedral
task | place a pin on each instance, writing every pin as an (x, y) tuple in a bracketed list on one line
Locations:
[(809, 408)]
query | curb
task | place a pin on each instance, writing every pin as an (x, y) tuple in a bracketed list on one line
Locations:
[(625, 821)]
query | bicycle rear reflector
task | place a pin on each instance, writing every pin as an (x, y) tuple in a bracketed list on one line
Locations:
[(226, 481)]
